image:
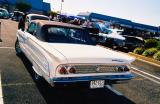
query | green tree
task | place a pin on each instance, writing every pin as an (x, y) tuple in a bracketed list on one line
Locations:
[(52, 13), (23, 6), (5, 4)]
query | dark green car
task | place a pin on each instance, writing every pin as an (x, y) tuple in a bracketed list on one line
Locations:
[(4, 13)]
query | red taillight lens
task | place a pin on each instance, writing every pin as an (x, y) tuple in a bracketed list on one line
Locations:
[(62, 70), (72, 70), (120, 69), (126, 68)]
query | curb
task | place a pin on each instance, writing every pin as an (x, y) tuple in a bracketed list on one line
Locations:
[(145, 59)]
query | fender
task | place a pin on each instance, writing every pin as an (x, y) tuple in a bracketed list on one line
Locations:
[(36, 69)]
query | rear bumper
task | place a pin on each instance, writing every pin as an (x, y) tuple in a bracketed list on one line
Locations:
[(109, 79)]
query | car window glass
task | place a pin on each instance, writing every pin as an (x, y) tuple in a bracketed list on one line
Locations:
[(102, 27), (39, 18), (32, 28), (106, 31), (67, 35)]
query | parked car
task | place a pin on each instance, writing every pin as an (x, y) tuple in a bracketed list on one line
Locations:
[(93, 33), (107, 36), (112, 38), (132, 42), (16, 15), (4, 13), (64, 54), (31, 17)]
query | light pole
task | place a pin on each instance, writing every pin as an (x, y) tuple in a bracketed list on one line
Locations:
[(61, 6)]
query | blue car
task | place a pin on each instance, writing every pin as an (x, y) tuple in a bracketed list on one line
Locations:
[(4, 13)]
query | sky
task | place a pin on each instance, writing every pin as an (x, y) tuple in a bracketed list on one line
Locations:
[(140, 11)]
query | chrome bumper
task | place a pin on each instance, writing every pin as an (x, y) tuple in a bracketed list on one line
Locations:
[(111, 79)]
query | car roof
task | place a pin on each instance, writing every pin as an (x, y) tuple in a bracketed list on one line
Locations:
[(18, 12), (54, 23), (3, 9), (37, 15)]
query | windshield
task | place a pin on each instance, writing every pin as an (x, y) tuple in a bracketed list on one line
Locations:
[(4, 11), (39, 17), (67, 35), (102, 27)]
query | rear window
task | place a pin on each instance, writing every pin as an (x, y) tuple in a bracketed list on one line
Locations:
[(56, 34), (39, 18), (4, 11)]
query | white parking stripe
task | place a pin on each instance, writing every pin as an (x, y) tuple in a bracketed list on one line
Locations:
[(147, 77), (7, 48), (1, 93), (18, 84), (145, 73)]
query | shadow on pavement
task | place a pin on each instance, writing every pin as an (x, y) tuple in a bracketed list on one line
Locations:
[(75, 95)]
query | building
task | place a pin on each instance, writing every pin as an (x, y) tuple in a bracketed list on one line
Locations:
[(124, 23), (38, 6)]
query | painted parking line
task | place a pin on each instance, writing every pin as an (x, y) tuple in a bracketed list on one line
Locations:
[(17, 84), (7, 48), (155, 81), (146, 75), (1, 93)]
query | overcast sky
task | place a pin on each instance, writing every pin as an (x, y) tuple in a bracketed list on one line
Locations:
[(141, 11)]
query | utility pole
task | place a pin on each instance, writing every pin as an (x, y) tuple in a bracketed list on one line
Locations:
[(159, 30), (0, 32)]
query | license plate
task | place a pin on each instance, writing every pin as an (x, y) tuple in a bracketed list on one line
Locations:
[(97, 84)]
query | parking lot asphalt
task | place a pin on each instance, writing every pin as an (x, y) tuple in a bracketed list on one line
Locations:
[(8, 31), (18, 86)]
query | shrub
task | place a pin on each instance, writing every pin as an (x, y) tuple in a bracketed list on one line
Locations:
[(156, 56), (149, 43), (158, 45), (138, 50), (150, 52)]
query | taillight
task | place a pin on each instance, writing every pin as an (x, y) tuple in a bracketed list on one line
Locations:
[(72, 70), (122, 68), (126, 68), (62, 70)]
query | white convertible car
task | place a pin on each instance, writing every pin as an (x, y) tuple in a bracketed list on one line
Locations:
[(64, 54)]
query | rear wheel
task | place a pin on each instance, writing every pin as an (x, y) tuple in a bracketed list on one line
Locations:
[(17, 48)]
